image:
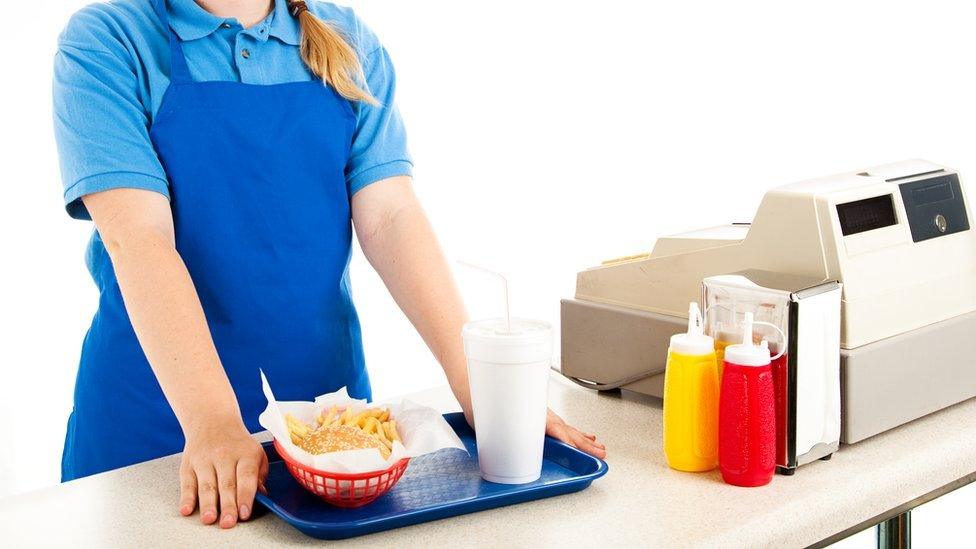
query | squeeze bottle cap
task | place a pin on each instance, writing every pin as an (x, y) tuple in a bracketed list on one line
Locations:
[(695, 342), (747, 353)]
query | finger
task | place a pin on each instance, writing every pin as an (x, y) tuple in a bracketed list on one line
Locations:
[(263, 474), (588, 446), (227, 485), (247, 486), (188, 491), (587, 439), (207, 493)]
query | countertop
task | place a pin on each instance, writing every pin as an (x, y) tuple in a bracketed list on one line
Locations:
[(639, 502)]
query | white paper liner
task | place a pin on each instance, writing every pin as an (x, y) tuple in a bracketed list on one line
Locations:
[(422, 429)]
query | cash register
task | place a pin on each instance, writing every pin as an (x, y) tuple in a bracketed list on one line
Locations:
[(897, 239)]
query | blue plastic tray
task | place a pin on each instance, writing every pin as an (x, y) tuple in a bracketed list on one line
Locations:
[(435, 486)]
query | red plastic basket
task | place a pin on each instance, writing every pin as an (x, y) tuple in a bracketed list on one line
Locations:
[(344, 489)]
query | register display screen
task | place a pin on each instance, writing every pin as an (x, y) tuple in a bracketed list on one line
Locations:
[(867, 215)]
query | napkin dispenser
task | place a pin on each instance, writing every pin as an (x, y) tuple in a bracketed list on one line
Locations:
[(800, 318)]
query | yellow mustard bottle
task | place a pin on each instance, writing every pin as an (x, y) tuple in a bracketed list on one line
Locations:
[(691, 392)]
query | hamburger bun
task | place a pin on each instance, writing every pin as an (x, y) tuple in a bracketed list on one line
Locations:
[(337, 438)]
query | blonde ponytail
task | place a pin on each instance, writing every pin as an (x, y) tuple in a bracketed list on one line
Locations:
[(329, 56)]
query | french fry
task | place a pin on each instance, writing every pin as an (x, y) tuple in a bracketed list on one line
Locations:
[(353, 420), (326, 419), (337, 420), (296, 428), (381, 434), (384, 416), (391, 431), (296, 425)]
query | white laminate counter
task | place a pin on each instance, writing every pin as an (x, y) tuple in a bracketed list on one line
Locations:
[(639, 502)]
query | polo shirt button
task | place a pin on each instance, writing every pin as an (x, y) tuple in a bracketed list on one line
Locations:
[(245, 53), (225, 26)]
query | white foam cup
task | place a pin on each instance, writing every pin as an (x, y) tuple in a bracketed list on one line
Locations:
[(509, 376)]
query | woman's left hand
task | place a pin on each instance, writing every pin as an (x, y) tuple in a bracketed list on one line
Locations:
[(559, 430)]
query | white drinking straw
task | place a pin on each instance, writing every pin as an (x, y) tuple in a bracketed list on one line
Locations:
[(508, 316)]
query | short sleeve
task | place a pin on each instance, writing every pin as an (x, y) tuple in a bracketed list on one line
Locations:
[(379, 145), (100, 124)]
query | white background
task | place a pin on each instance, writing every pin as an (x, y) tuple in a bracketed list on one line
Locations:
[(547, 136)]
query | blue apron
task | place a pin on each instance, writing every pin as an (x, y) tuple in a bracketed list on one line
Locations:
[(263, 224)]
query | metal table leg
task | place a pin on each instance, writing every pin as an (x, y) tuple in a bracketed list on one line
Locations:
[(894, 528), (896, 532)]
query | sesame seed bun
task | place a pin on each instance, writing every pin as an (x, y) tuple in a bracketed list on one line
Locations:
[(337, 438)]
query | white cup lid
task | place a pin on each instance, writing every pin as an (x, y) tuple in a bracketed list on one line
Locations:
[(490, 340)]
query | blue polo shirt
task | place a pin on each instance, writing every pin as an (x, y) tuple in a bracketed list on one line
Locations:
[(111, 70)]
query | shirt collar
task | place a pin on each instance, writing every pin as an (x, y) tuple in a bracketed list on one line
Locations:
[(190, 22), (284, 26)]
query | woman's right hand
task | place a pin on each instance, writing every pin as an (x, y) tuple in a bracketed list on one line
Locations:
[(223, 467)]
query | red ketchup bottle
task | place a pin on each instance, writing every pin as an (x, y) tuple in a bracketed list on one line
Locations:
[(747, 413)]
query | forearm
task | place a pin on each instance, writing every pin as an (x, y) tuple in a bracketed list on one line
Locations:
[(400, 244), (169, 322), (404, 251)]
